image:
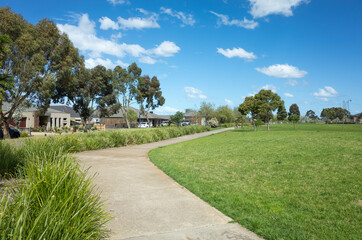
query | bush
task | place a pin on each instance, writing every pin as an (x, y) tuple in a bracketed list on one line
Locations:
[(213, 122), (227, 125), (10, 159), (24, 134), (54, 201)]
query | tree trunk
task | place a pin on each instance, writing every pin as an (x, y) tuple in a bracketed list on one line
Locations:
[(268, 125), (254, 126), (126, 117), (84, 125), (5, 128), (294, 124)]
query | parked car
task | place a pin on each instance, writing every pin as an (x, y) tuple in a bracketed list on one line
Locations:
[(185, 123), (165, 124), (14, 133), (143, 125)]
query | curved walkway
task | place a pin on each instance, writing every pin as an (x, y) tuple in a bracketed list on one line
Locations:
[(147, 204)]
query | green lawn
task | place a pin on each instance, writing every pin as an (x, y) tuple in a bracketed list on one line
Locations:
[(283, 184)]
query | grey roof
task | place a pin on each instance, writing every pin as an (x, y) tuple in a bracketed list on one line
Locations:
[(150, 115), (190, 114), (65, 109)]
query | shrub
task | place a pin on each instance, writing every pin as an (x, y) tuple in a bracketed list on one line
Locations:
[(9, 159), (213, 122), (54, 201), (24, 134)]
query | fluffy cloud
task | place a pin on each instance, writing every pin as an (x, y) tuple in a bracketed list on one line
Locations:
[(92, 62), (131, 23), (116, 2), (236, 52), (325, 93), (270, 87), (228, 102), (186, 19), (148, 60), (84, 38), (245, 23), (262, 8), (165, 49), (194, 93), (282, 71), (289, 95)]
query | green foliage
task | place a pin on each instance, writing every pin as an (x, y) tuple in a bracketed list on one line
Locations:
[(334, 113), (278, 188), (282, 112), (207, 110), (149, 94), (125, 82), (267, 102), (224, 114), (293, 118), (54, 201), (311, 115), (177, 118), (213, 122), (10, 159), (24, 134), (294, 110), (132, 115)]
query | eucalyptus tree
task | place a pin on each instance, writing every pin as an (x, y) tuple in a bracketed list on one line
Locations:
[(225, 114), (250, 106), (282, 112), (31, 61), (294, 114), (149, 94), (267, 102), (94, 92), (125, 82)]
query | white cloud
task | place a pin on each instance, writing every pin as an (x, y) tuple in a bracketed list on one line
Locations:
[(131, 23), (229, 102), (194, 93), (289, 95), (325, 93), (148, 60), (270, 87), (92, 62), (84, 38), (187, 19), (166, 110), (245, 23), (292, 82), (107, 23), (262, 8), (236, 52), (282, 71), (166, 49), (114, 37), (116, 2)]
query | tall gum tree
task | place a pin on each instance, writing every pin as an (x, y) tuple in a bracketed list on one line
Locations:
[(149, 94), (30, 62), (125, 82), (268, 102)]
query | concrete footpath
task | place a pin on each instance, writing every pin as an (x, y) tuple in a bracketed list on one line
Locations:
[(147, 204)]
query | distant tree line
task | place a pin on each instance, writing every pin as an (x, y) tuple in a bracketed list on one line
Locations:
[(40, 65)]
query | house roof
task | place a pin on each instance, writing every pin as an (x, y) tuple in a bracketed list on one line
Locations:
[(150, 115), (190, 114), (65, 109)]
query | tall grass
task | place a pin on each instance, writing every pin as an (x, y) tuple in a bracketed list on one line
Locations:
[(9, 159), (53, 198)]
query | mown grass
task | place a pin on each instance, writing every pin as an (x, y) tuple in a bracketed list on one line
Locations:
[(52, 197), (283, 184)]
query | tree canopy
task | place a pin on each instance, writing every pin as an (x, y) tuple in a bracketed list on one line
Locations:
[(334, 113), (224, 114), (177, 118)]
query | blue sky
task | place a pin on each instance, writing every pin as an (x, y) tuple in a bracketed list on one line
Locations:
[(219, 51)]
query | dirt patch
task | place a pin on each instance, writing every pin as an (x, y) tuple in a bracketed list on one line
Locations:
[(359, 202)]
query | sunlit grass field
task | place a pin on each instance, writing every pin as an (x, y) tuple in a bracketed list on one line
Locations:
[(282, 184)]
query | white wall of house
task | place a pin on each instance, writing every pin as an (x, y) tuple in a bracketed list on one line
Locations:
[(30, 119), (58, 120)]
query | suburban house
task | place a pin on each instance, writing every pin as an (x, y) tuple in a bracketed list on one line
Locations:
[(117, 120), (31, 118), (193, 117)]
